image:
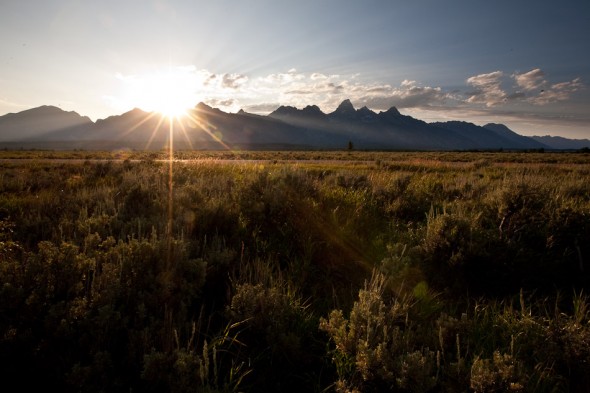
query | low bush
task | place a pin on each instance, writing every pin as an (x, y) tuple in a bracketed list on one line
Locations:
[(380, 271)]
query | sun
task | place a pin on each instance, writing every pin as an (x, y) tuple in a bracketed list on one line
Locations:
[(171, 92)]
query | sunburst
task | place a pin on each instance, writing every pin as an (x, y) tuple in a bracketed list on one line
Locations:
[(170, 92)]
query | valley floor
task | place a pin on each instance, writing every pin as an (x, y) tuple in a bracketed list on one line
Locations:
[(295, 271)]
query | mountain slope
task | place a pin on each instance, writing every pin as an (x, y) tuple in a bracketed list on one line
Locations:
[(285, 128), (42, 123), (367, 129), (557, 142), (505, 132), (492, 137)]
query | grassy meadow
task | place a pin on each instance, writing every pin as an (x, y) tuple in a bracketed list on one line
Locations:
[(295, 271)]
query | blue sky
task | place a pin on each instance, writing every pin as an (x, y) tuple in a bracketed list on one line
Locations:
[(522, 63)]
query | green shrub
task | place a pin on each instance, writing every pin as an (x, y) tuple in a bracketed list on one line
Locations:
[(500, 374), (373, 347), (278, 336)]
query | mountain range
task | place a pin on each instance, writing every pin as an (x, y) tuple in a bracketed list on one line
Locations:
[(285, 128)]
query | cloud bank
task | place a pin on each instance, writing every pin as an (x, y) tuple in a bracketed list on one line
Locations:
[(530, 87), (492, 96), (261, 94)]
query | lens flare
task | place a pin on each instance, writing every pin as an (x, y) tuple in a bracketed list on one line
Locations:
[(171, 92)]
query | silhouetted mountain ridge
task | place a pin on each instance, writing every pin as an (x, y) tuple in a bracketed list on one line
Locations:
[(558, 142), (42, 123), (285, 128), (512, 136)]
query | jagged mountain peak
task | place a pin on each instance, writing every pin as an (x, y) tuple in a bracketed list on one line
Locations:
[(366, 115), (366, 111), (284, 110), (312, 109), (202, 107), (313, 112), (138, 111), (286, 126), (345, 107), (495, 125), (393, 111), (208, 110)]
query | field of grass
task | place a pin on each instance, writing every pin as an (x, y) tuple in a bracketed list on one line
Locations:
[(295, 271)]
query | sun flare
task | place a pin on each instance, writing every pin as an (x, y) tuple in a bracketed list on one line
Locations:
[(172, 92)]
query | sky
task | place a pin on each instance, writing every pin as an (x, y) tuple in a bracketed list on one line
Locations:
[(522, 63)]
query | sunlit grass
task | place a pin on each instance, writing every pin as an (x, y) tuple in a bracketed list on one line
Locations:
[(474, 266)]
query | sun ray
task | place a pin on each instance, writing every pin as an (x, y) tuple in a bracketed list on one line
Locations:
[(169, 222), (134, 127), (154, 132), (206, 127), (185, 133)]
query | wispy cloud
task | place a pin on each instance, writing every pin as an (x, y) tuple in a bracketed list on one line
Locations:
[(327, 91), (558, 92), (531, 87), (488, 89), (493, 93), (265, 107), (531, 80), (408, 95), (233, 81), (282, 79), (214, 102), (316, 76)]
